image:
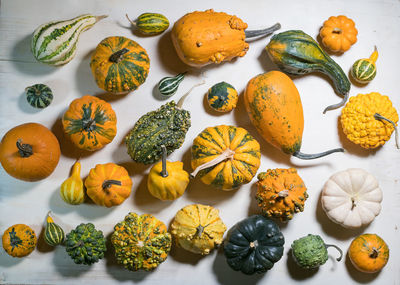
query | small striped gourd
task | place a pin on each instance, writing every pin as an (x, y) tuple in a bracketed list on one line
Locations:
[(72, 188), (150, 23), (364, 70), (55, 42), (53, 233), (39, 95), (169, 85), (222, 97)]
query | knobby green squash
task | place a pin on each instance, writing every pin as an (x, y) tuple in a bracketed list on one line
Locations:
[(150, 23), (297, 53), (39, 95), (55, 42), (169, 85)]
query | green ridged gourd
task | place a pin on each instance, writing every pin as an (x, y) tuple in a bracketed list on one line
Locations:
[(150, 23), (297, 53), (39, 95), (169, 85), (53, 233)]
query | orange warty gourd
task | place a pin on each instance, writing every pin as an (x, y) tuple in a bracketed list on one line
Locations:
[(338, 33), (274, 107), (108, 184), (29, 152), (368, 253)]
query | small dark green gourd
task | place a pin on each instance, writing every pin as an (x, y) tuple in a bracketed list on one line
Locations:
[(310, 251), (297, 53), (39, 95), (169, 85), (53, 233), (222, 97), (150, 23)]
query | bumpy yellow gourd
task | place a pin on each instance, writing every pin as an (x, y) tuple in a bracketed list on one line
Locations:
[(369, 120), (72, 188)]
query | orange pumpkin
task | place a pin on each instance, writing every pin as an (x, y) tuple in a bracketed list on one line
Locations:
[(90, 123), (29, 152), (19, 240), (368, 253), (108, 184), (338, 33)]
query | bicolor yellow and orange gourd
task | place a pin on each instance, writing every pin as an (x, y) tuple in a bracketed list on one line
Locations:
[(365, 120), (281, 193), (72, 191)]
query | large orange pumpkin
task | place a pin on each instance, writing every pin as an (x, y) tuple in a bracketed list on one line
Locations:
[(29, 152)]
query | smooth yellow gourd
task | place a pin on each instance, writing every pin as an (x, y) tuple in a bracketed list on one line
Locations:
[(72, 188)]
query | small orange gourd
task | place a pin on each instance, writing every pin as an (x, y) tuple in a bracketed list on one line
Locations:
[(108, 184), (19, 240), (338, 33)]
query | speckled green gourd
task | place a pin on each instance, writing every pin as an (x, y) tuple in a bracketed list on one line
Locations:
[(85, 244), (167, 126), (222, 97), (39, 95)]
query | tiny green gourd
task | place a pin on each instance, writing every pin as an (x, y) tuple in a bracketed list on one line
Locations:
[(222, 97), (364, 70), (297, 53), (53, 233), (150, 23), (169, 85), (39, 95)]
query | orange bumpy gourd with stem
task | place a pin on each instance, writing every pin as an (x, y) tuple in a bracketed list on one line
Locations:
[(339, 33)]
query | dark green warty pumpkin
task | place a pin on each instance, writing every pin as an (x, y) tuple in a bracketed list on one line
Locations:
[(253, 245), (167, 126)]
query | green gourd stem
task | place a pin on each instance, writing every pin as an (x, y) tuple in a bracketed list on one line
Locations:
[(130, 21), (378, 116), (164, 172), (180, 102), (340, 251), (118, 55), (24, 150), (199, 231), (89, 124), (108, 183), (80, 243), (226, 154), (305, 156), (267, 31), (338, 105)]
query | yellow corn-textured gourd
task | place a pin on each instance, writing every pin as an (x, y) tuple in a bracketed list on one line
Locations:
[(72, 189), (369, 120)]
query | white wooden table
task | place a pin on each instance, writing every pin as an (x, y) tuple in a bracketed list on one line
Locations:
[(378, 23)]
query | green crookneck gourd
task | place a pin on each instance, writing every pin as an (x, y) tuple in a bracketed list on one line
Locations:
[(310, 251), (297, 53), (166, 126)]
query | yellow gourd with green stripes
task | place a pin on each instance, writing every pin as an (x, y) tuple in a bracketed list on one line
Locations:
[(72, 188), (364, 70)]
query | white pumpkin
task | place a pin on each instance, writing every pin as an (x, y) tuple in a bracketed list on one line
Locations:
[(352, 198)]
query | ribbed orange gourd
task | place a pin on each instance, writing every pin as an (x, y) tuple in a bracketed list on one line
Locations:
[(281, 193), (338, 33), (108, 184)]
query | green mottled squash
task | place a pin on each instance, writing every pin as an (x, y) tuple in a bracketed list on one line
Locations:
[(39, 95), (141, 242), (297, 53), (150, 23), (119, 65), (53, 233), (222, 97)]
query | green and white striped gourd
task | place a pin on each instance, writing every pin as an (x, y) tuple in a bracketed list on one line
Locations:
[(53, 233), (54, 43), (39, 95), (150, 23), (169, 85), (364, 70)]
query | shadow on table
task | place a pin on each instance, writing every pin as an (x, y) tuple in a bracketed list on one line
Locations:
[(358, 276), (295, 271), (65, 266)]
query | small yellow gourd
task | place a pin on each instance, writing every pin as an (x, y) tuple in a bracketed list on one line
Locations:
[(364, 70), (72, 188), (167, 180)]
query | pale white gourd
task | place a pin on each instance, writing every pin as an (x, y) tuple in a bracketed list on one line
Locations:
[(352, 198), (55, 43)]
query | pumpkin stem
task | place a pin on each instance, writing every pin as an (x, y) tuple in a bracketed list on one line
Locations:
[(199, 231), (108, 183), (117, 56), (267, 31), (337, 30), (88, 125), (226, 154), (283, 193), (180, 102), (338, 105), (374, 253), (254, 244), (98, 18), (396, 134), (133, 23), (78, 244), (353, 204), (338, 248), (48, 218), (25, 150), (164, 172), (305, 156)]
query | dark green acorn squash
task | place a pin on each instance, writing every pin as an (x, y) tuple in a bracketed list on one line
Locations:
[(253, 245)]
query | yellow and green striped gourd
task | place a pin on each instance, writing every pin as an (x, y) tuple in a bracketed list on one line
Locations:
[(150, 23), (72, 188), (39, 95), (53, 234), (364, 70), (222, 97)]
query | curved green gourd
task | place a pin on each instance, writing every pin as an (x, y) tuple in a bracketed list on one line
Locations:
[(297, 53), (39, 95), (53, 233), (169, 85), (222, 97), (150, 23)]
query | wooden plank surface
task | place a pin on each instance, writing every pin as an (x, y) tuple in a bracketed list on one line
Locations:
[(378, 23)]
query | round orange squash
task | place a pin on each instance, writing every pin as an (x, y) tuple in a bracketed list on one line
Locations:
[(108, 184), (19, 240), (29, 152), (338, 33)]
